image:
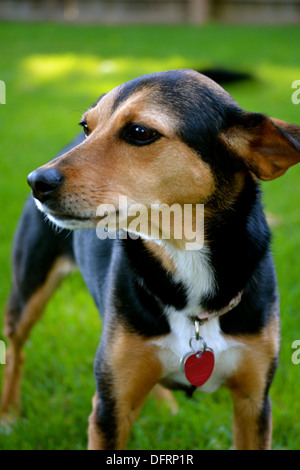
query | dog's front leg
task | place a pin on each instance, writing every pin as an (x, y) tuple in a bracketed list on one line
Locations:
[(126, 369), (249, 388)]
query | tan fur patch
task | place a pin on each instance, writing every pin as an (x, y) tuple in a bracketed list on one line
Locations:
[(264, 149), (137, 369), (95, 439), (248, 385)]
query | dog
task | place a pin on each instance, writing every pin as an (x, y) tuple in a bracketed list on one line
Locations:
[(187, 319)]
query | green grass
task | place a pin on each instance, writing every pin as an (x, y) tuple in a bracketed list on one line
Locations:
[(53, 73)]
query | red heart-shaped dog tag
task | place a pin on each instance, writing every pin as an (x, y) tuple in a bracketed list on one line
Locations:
[(198, 367)]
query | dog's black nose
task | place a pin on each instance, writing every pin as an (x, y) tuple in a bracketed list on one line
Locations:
[(44, 182)]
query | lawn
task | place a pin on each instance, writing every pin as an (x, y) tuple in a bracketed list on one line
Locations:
[(52, 74)]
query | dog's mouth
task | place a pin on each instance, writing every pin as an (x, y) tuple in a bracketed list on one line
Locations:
[(68, 220), (73, 221)]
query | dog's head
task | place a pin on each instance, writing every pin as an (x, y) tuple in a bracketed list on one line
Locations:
[(165, 138)]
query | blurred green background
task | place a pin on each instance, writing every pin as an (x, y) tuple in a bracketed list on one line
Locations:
[(53, 73)]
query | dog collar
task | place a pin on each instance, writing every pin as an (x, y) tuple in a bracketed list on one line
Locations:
[(205, 316)]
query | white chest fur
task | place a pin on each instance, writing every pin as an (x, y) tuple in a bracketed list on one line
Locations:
[(175, 345), (194, 271)]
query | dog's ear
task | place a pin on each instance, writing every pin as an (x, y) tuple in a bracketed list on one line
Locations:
[(267, 146)]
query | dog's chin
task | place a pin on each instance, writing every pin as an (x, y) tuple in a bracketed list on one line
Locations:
[(64, 220), (71, 222)]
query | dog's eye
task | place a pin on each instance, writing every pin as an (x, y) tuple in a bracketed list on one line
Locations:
[(85, 127), (137, 134)]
